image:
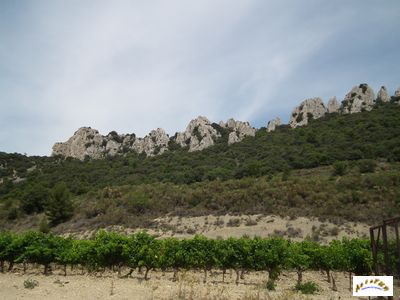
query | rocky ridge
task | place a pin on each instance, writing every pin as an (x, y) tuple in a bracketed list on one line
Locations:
[(313, 108), (359, 98), (333, 106), (383, 95), (200, 133), (88, 142), (239, 130), (271, 126)]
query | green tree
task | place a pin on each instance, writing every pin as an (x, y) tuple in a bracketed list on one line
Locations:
[(271, 255), (109, 249), (142, 250), (6, 239), (299, 258), (200, 253), (35, 199), (357, 257), (40, 248), (59, 207), (172, 255)]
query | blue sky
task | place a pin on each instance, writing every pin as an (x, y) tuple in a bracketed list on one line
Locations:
[(133, 66)]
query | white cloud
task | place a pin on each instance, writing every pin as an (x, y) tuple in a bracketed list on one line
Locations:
[(132, 66)]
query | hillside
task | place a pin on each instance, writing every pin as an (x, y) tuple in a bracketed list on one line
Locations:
[(257, 175)]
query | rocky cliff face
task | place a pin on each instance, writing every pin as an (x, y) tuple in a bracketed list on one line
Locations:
[(239, 130), (271, 126), (333, 106), (360, 98), (199, 134), (383, 95), (396, 96), (87, 142), (313, 108), (397, 92), (154, 143)]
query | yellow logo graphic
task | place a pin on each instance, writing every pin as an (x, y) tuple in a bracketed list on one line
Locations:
[(372, 284)]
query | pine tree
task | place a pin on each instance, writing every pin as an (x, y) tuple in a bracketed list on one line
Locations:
[(59, 207)]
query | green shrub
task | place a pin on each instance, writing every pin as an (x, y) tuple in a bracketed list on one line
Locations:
[(367, 166), (340, 168), (308, 287), (30, 283), (233, 222), (44, 225), (270, 285)]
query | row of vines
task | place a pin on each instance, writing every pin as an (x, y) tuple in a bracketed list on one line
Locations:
[(144, 251)]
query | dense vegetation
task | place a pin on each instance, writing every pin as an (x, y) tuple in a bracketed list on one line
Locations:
[(140, 250), (356, 196), (261, 174)]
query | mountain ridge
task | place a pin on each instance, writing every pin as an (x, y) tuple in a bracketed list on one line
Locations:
[(201, 133)]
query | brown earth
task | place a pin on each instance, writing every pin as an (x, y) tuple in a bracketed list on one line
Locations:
[(246, 225), (160, 286)]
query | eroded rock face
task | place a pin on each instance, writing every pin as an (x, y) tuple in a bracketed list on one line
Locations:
[(199, 134), (397, 92), (313, 108), (383, 95), (154, 143), (333, 106), (396, 96), (239, 130), (85, 142), (360, 98), (271, 126)]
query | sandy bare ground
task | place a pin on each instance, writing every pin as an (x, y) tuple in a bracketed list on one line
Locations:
[(247, 225), (160, 286)]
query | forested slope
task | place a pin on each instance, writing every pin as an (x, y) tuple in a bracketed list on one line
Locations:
[(212, 180)]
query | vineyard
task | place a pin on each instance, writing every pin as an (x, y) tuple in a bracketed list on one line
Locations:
[(145, 252)]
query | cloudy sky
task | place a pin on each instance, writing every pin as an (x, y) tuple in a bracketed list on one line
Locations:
[(132, 66)]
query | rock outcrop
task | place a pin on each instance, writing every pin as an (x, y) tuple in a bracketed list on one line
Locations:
[(85, 142), (88, 142), (199, 134), (239, 130), (116, 143), (360, 98), (383, 95), (271, 126), (313, 108), (154, 143), (333, 106), (396, 96)]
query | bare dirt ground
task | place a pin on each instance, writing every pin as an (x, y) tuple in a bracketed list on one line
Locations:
[(160, 286), (250, 225)]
